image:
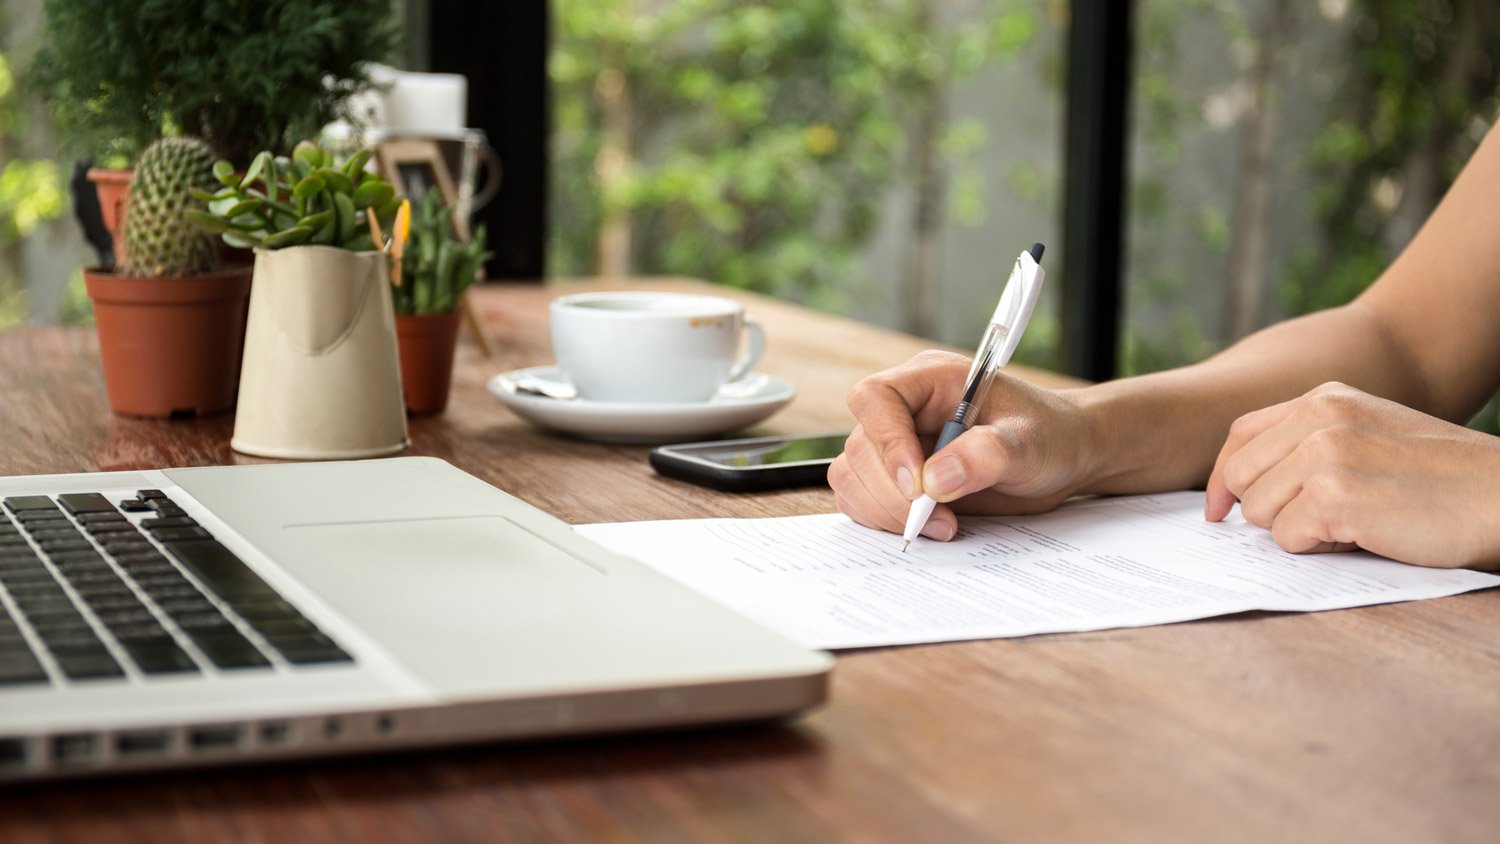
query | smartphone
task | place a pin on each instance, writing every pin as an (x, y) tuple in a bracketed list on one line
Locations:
[(752, 465)]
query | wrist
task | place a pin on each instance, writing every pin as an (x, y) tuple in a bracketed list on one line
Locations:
[(1094, 440)]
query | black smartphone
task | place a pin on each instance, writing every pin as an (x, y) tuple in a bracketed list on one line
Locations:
[(752, 465)]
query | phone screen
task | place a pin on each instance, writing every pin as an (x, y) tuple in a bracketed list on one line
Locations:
[(770, 452)]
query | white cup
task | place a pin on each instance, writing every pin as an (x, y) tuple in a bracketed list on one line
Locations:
[(652, 348)]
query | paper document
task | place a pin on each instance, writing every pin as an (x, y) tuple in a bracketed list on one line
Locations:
[(1115, 562)]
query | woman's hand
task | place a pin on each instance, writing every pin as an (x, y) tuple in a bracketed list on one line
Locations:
[(1338, 468), (1025, 454)]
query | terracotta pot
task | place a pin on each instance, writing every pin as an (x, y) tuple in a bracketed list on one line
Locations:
[(113, 187), (170, 346), (426, 344), (321, 379)]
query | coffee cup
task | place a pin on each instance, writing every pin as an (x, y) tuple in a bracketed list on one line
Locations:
[(652, 348)]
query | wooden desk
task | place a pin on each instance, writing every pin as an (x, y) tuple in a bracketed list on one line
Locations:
[(1376, 724)]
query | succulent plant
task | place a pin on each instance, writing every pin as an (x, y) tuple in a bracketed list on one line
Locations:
[(160, 240), (437, 267), (302, 199)]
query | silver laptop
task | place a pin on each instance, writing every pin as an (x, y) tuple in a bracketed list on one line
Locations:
[(206, 616)]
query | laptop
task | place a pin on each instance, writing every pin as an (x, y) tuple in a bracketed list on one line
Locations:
[(181, 617)]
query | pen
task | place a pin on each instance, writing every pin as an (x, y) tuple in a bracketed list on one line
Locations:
[(1000, 340)]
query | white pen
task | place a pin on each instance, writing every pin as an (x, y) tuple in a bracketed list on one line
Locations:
[(1001, 338)]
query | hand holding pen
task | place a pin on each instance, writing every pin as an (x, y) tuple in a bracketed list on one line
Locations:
[(1001, 337)]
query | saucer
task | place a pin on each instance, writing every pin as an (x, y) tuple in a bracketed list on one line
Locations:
[(735, 405)]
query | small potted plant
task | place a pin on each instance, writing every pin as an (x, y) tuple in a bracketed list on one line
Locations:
[(170, 325), (437, 269), (320, 378)]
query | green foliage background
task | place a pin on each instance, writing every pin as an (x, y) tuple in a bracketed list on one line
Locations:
[(244, 75), (763, 134), (31, 194)]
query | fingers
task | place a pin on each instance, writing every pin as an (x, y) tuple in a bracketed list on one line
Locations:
[(1330, 402), (855, 500), (863, 479), (893, 406), (1308, 525), (1219, 498)]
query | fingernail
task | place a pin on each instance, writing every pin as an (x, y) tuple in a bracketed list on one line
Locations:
[(906, 483), (941, 531), (944, 475)]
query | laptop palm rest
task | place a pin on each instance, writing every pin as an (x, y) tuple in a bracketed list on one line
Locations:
[(459, 552)]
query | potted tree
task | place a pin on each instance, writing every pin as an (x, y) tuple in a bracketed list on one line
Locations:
[(247, 76), (437, 269), (320, 378), (170, 324)]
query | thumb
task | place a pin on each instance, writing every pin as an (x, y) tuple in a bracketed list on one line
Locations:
[(982, 457)]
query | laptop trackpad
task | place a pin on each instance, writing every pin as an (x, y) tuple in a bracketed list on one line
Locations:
[(460, 552)]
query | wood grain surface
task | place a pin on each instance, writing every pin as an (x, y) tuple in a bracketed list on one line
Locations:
[(1374, 724)]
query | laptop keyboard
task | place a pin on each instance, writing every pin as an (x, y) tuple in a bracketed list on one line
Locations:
[(104, 596)]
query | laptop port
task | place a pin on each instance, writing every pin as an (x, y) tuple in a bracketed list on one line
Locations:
[(12, 754), (73, 748), (275, 732), (142, 743), (213, 738)]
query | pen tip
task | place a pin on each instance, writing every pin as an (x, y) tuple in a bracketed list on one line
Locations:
[(905, 545), (1036, 252)]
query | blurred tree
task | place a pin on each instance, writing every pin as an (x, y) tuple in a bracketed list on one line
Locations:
[(752, 142), (1421, 87), (31, 193)]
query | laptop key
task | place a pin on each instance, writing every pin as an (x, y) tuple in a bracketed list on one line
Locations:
[(20, 667), (150, 493), (222, 571), (310, 649), (229, 649), (160, 656), (178, 534), (168, 522), (134, 505), (17, 503), (85, 502), (87, 663)]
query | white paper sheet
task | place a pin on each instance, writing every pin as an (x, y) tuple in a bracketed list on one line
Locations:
[(1116, 562)]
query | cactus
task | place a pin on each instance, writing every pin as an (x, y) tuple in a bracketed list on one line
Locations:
[(160, 240)]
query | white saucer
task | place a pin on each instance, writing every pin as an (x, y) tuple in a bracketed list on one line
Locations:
[(736, 405)]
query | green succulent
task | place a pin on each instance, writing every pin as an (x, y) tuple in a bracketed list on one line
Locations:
[(160, 240), (303, 199), (437, 267)]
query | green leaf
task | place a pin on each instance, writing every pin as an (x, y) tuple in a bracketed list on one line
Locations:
[(360, 243), (386, 211), (212, 223), (241, 240), (373, 192), (290, 237), (308, 154), (316, 221), (244, 206), (348, 217), (336, 180), (356, 164), (224, 172), (204, 196), (307, 188), (258, 168), (271, 202)]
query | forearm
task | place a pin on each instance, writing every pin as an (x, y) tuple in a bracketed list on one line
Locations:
[(1162, 431)]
